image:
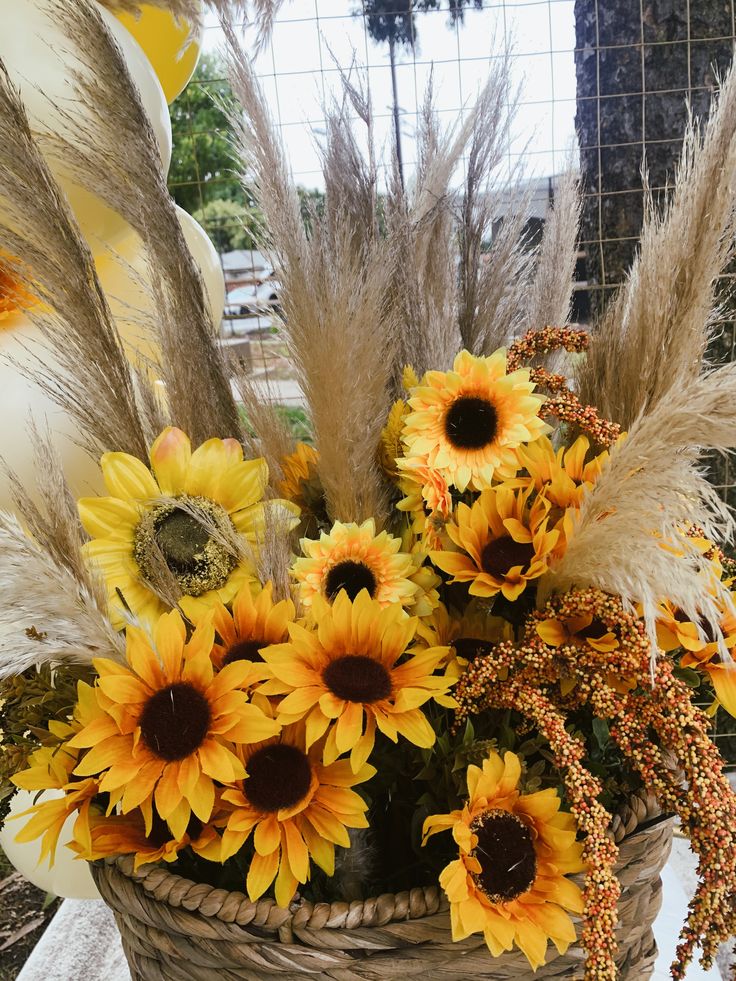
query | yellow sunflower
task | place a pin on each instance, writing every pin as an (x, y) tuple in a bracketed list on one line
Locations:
[(51, 767), (563, 474), (466, 635), (505, 543), (390, 448), (197, 513), (297, 808), (514, 851), (427, 502), (351, 558), (253, 624), (170, 724), (129, 834), (577, 631), (343, 672), (468, 422)]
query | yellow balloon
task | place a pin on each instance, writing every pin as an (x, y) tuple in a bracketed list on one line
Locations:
[(19, 399), (39, 61), (164, 40), (68, 876)]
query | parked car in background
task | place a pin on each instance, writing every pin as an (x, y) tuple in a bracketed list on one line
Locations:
[(256, 298)]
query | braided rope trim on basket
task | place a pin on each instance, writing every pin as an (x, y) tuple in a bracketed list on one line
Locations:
[(378, 911)]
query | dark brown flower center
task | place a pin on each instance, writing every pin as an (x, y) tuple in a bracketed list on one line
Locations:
[(357, 678), (244, 650), (175, 721), (195, 549), (279, 776), (500, 556), (506, 854), (470, 647), (471, 423), (350, 576)]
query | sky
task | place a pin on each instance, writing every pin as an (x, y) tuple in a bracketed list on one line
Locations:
[(297, 69)]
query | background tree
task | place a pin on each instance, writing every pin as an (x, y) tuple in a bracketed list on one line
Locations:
[(394, 22)]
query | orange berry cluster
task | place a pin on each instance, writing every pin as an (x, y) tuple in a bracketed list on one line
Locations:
[(543, 341), (664, 736)]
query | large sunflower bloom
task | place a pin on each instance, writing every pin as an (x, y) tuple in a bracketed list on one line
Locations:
[(297, 808), (197, 512), (353, 557), (468, 422), (514, 850), (505, 543), (170, 724), (467, 635), (344, 670), (253, 623)]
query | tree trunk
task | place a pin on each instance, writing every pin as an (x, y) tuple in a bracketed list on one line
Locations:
[(397, 122), (634, 74)]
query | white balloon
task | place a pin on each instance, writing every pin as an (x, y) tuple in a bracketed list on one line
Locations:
[(123, 275), (206, 257), (36, 55), (19, 397), (69, 876)]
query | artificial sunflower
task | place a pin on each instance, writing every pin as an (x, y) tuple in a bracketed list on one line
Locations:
[(563, 475), (297, 808), (343, 672), (467, 635), (198, 512), (132, 834), (467, 423), (170, 724), (302, 486), (353, 557), (427, 502), (253, 623), (514, 852), (577, 631), (504, 541)]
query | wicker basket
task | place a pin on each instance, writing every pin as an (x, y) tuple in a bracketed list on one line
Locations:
[(175, 930)]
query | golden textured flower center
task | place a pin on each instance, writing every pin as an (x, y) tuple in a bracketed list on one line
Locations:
[(505, 852), (471, 423), (175, 721), (357, 678), (471, 647), (501, 555), (350, 576), (192, 539), (279, 776), (244, 650)]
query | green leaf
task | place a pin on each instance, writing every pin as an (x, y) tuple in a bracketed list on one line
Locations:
[(689, 675), (601, 732)]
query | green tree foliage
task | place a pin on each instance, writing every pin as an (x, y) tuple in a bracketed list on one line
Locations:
[(393, 21)]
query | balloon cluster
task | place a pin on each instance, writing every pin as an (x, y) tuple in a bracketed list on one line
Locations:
[(161, 56)]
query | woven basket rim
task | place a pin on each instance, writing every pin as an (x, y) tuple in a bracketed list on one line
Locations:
[(640, 811)]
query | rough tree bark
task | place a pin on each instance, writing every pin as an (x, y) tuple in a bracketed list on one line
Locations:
[(637, 63)]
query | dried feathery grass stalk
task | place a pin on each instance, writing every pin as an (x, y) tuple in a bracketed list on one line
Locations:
[(648, 494), (549, 299), (46, 615), (506, 275), (333, 300), (273, 553), (495, 112), (93, 382), (52, 518), (421, 229), (654, 333), (115, 151), (351, 177), (152, 402)]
